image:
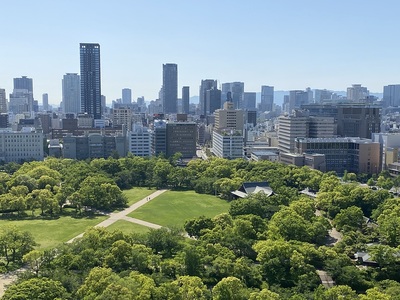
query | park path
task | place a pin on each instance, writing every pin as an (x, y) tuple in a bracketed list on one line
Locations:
[(123, 215), (10, 277)]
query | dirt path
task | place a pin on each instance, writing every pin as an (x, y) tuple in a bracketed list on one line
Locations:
[(123, 215)]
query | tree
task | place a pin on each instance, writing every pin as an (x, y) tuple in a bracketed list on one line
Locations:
[(194, 226), (36, 288), (264, 294), (191, 288), (338, 292), (350, 218), (34, 259), (230, 288), (375, 294), (14, 244)]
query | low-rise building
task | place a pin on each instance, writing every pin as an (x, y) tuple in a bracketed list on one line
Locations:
[(228, 143), (20, 146)]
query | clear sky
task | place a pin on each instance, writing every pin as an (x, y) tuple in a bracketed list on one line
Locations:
[(290, 44)]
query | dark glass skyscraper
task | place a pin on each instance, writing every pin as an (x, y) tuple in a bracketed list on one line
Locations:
[(90, 79), (170, 88)]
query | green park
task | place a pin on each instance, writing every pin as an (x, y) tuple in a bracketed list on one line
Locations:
[(124, 222)]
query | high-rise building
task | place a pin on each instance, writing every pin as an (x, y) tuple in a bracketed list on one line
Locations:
[(90, 79), (297, 98), (185, 99), (139, 141), (23, 88), (213, 100), (23, 83), (181, 137), (267, 98), (45, 102), (301, 125), (71, 93), (357, 92), (228, 117), (236, 90), (249, 100), (206, 85), (3, 101), (126, 96), (170, 88), (321, 95), (391, 95)]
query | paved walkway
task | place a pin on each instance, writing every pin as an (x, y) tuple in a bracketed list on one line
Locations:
[(9, 278), (122, 215)]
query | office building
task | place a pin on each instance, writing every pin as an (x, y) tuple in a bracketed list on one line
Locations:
[(301, 125), (20, 146), (344, 154), (3, 102), (71, 93), (122, 116), (213, 100), (227, 143), (389, 148), (159, 138), (126, 96), (45, 102), (90, 80), (322, 95), (93, 145), (139, 141), (181, 137), (297, 98), (356, 92), (205, 86), (267, 98), (185, 99), (229, 117), (19, 101), (391, 95), (249, 100), (233, 91), (170, 88), (358, 120)]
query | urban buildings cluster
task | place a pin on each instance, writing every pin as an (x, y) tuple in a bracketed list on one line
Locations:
[(323, 129)]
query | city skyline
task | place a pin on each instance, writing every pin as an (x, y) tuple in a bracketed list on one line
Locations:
[(287, 45)]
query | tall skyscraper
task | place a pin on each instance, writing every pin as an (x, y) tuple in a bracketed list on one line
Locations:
[(24, 88), (126, 96), (249, 100), (391, 95), (237, 93), (170, 88), (71, 93), (213, 100), (206, 85), (45, 102), (90, 79), (23, 83), (185, 99), (3, 101), (267, 98)]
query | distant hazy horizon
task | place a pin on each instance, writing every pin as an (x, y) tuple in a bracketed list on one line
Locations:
[(287, 44)]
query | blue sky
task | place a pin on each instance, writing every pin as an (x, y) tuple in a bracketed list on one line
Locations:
[(289, 44)]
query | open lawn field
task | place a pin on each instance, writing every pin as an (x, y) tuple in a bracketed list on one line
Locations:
[(49, 233), (172, 209), (136, 194), (128, 227)]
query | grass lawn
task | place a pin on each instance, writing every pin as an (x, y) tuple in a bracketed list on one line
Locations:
[(128, 227), (172, 209), (136, 194), (50, 233)]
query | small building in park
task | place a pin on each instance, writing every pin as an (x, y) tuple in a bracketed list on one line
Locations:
[(249, 188)]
